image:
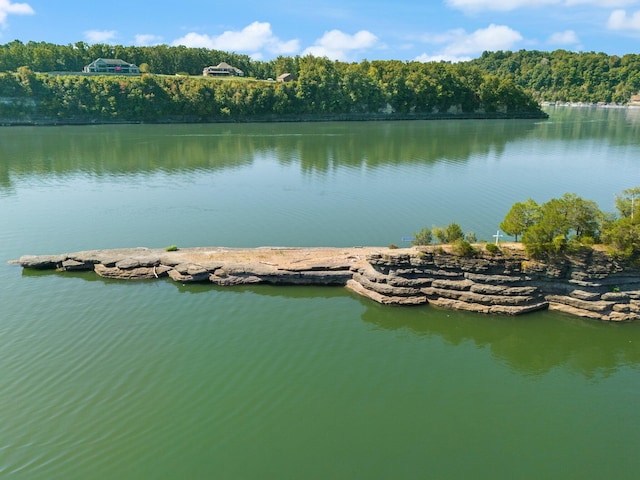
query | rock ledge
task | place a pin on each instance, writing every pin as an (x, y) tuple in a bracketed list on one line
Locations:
[(590, 285)]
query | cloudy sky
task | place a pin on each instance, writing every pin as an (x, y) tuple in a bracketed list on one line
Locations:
[(348, 30)]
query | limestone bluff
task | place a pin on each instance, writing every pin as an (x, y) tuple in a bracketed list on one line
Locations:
[(591, 284)]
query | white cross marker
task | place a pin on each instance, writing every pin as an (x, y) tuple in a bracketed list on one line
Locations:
[(497, 236)]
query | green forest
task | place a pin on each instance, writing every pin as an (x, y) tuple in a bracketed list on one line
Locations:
[(44, 80), (562, 76)]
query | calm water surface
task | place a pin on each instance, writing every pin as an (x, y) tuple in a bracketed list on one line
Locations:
[(107, 379)]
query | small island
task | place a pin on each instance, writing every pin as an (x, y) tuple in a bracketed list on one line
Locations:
[(591, 284), (557, 266)]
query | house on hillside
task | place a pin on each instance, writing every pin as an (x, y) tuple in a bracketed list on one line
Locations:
[(113, 66), (286, 77), (223, 69)]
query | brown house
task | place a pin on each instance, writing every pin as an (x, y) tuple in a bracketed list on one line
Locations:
[(286, 77)]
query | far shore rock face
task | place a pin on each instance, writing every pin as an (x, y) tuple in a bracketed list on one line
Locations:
[(590, 285)]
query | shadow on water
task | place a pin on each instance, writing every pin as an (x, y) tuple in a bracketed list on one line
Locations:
[(533, 344)]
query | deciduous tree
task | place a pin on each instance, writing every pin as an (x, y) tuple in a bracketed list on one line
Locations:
[(423, 237), (521, 216)]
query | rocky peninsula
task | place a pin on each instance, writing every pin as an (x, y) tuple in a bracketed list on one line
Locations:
[(590, 284)]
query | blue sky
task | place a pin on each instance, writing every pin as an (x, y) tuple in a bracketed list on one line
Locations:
[(348, 30)]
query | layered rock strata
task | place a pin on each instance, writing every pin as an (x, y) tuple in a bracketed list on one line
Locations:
[(591, 285)]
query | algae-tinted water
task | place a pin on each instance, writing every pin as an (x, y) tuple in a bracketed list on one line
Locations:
[(107, 379)]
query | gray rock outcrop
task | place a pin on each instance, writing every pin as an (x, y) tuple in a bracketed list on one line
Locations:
[(591, 285)]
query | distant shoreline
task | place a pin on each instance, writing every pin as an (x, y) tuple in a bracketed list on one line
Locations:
[(590, 105), (34, 120)]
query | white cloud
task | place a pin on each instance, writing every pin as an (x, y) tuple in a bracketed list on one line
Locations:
[(441, 58), (600, 3), (195, 40), (100, 36), (143, 40), (619, 20), (337, 45), (461, 46), (568, 37), (473, 6), (494, 37), (252, 38), (503, 6), (7, 7)]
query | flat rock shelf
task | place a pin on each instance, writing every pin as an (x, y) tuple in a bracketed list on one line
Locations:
[(590, 284)]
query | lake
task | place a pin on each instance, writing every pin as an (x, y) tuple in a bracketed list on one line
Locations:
[(108, 379)]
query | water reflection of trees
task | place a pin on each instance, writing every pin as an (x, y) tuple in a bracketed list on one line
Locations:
[(320, 147), (532, 344), (618, 126), (146, 149)]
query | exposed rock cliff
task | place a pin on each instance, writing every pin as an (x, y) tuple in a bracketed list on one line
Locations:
[(591, 284)]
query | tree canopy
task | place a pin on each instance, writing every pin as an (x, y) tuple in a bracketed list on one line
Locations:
[(571, 222), (521, 216), (566, 76), (559, 75), (323, 87)]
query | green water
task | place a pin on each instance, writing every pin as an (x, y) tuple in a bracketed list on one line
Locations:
[(108, 379)]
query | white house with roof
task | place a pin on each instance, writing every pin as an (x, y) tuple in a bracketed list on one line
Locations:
[(113, 66)]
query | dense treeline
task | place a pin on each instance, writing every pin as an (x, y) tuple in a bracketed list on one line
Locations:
[(161, 59), (549, 76), (567, 76), (323, 87)]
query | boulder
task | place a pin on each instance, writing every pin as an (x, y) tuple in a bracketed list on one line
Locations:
[(592, 306), (385, 299), (384, 288), (231, 280), (620, 297), (41, 262), (583, 295), (70, 265), (189, 273), (139, 273)]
